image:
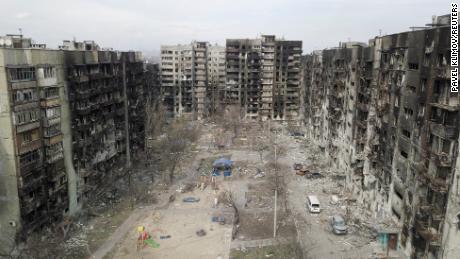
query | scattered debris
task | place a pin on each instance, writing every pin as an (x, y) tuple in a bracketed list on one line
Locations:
[(259, 174), (334, 200), (201, 233)]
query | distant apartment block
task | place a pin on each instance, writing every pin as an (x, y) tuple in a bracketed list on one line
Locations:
[(64, 114), (263, 77), (190, 77)]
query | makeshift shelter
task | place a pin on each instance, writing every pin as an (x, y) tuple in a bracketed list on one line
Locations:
[(222, 165)]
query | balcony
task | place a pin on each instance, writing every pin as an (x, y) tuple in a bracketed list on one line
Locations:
[(17, 85), (438, 185), (426, 232), (50, 102), (91, 57), (44, 82), (83, 142), (83, 110), (52, 121), (30, 166), (446, 103), (80, 78), (31, 183), (53, 139), (232, 49), (52, 158), (444, 131), (442, 72), (96, 76), (441, 159), (29, 146)]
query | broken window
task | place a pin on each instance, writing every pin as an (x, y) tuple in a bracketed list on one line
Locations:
[(51, 92), (441, 60), (53, 130), (406, 133), (411, 88), (421, 111), (413, 66), (426, 60), (26, 116), (26, 137), (423, 84), (22, 74), (395, 213), (408, 112), (404, 154), (23, 95), (53, 112), (48, 72), (398, 192)]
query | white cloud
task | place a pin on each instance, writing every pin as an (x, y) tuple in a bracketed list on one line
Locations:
[(22, 15), (146, 24)]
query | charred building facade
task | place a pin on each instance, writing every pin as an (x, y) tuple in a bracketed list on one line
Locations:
[(106, 95), (33, 179), (190, 77), (263, 77), (385, 117), (67, 117)]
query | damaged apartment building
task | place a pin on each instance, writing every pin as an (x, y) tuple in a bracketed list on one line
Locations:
[(384, 116), (64, 115), (263, 77), (192, 78)]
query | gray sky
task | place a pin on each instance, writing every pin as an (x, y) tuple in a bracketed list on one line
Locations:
[(145, 25)]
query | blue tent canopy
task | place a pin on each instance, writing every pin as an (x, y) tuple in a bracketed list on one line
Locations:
[(222, 163)]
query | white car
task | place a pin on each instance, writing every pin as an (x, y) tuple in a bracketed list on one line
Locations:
[(313, 204)]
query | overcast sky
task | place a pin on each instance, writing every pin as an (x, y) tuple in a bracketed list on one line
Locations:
[(146, 24)]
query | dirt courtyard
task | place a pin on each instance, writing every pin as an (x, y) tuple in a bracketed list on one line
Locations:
[(181, 221)]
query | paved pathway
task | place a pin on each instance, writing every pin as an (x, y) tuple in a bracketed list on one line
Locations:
[(259, 242)]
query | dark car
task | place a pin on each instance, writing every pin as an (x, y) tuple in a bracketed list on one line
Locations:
[(297, 134), (339, 227), (314, 175)]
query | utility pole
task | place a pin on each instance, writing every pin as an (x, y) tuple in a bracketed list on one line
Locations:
[(276, 193), (125, 101)]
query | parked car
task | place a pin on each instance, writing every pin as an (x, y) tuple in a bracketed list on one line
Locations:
[(313, 204), (339, 227), (297, 134), (314, 175), (190, 199)]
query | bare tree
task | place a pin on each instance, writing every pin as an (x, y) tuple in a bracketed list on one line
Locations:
[(261, 147), (155, 119), (228, 197), (233, 119), (169, 148)]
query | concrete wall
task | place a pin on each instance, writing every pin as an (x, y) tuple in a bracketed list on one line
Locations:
[(9, 200)]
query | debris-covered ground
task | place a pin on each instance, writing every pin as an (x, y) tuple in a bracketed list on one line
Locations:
[(233, 217)]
